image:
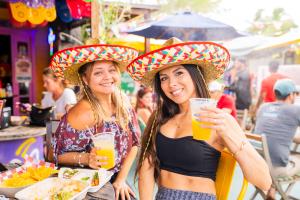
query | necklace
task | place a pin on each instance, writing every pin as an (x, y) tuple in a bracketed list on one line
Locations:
[(177, 124)]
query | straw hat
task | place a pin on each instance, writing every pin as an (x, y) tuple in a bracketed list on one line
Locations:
[(211, 57), (65, 63)]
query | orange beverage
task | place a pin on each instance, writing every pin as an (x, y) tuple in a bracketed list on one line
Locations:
[(200, 133), (105, 142), (110, 154)]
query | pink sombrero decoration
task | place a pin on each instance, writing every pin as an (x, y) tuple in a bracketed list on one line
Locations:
[(211, 57), (65, 63)]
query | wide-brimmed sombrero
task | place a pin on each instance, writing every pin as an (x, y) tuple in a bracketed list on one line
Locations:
[(211, 57), (65, 63)]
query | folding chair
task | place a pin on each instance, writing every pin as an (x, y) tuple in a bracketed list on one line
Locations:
[(242, 116), (51, 127), (224, 177), (256, 142), (278, 181)]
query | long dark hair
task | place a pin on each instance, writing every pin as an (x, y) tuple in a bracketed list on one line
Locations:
[(166, 109)]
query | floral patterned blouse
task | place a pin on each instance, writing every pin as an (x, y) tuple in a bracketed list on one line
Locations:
[(68, 139)]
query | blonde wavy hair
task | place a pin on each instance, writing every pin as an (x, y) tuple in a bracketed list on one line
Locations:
[(118, 99)]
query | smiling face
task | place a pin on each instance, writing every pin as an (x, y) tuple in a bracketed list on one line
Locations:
[(103, 77), (177, 84), (147, 99)]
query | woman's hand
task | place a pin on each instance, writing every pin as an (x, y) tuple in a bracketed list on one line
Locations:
[(96, 161), (122, 190), (223, 123)]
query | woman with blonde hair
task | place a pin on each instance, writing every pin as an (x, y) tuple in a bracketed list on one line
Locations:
[(183, 167), (58, 95), (101, 108)]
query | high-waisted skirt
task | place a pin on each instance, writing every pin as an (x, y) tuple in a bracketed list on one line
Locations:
[(171, 194)]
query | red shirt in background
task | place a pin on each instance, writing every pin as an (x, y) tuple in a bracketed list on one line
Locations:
[(227, 101), (267, 86)]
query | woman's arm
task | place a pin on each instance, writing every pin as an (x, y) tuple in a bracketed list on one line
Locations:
[(235, 140), (121, 188), (78, 159), (146, 181)]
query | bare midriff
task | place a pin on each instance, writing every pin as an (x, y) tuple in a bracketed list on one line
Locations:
[(176, 181)]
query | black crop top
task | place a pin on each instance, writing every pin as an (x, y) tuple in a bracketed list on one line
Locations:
[(187, 156)]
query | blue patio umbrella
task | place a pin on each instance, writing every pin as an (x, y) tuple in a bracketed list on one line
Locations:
[(187, 26)]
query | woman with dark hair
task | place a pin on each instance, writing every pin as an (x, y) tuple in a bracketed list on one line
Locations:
[(144, 103), (183, 167)]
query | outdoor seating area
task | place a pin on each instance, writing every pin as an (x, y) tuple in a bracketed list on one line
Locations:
[(283, 184), (149, 99)]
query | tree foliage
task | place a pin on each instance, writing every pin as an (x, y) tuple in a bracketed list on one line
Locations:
[(275, 25), (111, 14)]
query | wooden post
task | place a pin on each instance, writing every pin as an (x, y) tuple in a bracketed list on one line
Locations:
[(147, 45), (147, 40), (95, 19)]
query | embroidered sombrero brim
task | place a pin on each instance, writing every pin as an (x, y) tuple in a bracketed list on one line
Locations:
[(65, 63), (211, 57)]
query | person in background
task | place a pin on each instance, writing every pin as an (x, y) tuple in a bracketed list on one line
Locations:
[(297, 99), (144, 103), (102, 108), (279, 121), (57, 95), (224, 101), (242, 85), (185, 168), (267, 85)]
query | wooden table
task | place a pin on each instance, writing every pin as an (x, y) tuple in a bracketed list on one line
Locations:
[(107, 192)]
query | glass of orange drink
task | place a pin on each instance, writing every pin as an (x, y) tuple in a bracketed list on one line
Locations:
[(200, 133), (105, 142)]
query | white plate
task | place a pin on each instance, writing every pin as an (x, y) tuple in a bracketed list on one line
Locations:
[(42, 189), (10, 191), (104, 176)]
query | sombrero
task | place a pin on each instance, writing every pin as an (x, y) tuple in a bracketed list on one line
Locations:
[(65, 63), (211, 57)]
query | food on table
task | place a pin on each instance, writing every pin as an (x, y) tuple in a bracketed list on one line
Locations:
[(67, 191), (54, 189), (28, 177), (95, 180), (69, 173), (89, 176)]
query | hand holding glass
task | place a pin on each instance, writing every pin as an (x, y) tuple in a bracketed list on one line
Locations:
[(196, 104), (105, 143)]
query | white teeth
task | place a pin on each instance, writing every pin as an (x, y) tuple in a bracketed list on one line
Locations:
[(107, 84), (176, 92)]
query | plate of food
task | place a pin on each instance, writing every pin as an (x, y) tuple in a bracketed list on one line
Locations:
[(15, 180), (94, 178), (54, 188)]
